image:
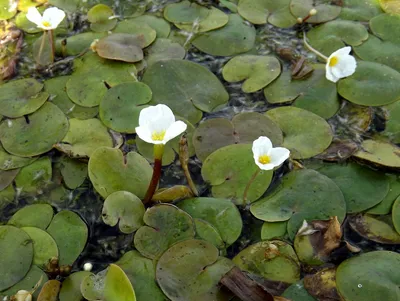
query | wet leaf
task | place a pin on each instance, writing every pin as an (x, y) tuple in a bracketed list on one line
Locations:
[(360, 10), (177, 192), (322, 285), (7, 9), (297, 292), (185, 12), (229, 169), (71, 286), (78, 43), (326, 10), (392, 126), (384, 25), (206, 231), (380, 154), (396, 214), (161, 26), (271, 230), (9, 162), (37, 215), (165, 224), (385, 206), (7, 177), (100, 19), (70, 233), (49, 291), (141, 29), (390, 6), (74, 172), (164, 49)]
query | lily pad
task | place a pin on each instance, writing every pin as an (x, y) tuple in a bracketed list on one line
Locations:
[(121, 105), (390, 6), (71, 286), (381, 154), (46, 126), (133, 27), (326, 10), (305, 134), (257, 71), (7, 177), (362, 187), (221, 213), (382, 88), (229, 169), (36, 215), (110, 171), (78, 43), (16, 255), (234, 38), (297, 292), (125, 209), (74, 172), (392, 126), (360, 10), (70, 233), (274, 260), (165, 224), (271, 230), (100, 18), (385, 206), (33, 178), (379, 229), (302, 195), (164, 49), (206, 231), (396, 214), (185, 12), (84, 137), (160, 25), (9, 162), (141, 272), (44, 246), (191, 270), (383, 27), (166, 79), (215, 133), (276, 13), (377, 274), (7, 9)]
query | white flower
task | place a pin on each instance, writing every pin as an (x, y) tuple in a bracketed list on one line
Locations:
[(23, 295), (266, 156), (340, 64), (157, 125), (52, 17)]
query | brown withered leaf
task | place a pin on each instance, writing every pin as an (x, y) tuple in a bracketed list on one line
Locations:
[(50, 291), (322, 285), (174, 193)]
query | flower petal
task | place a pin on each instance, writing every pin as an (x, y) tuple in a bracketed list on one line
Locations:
[(144, 133), (154, 115), (345, 67), (261, 146), (279, 155), (34, 16), (268, 166), (54, 16), (177, 128), (341, 52)]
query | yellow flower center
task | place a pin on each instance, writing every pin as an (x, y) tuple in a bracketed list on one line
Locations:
[(333, 61), (46, 23), (264, 159), (158, 136)]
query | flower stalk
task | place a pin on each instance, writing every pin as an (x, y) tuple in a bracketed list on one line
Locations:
[(158, 154), (246, 190)]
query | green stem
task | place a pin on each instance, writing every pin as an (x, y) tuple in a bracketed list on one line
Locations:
[(53, 47), (246, 190), (158, 153), (312, 49), (38, 59)]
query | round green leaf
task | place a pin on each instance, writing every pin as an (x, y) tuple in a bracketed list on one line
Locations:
[(305, 134), (381, 154), (362, 187), (8, 161), (125, 209), (84, 137), (234, 38), (7, 177), (71, 286), (131, 26), (206, 231), (100, 18), (110, 171), (302, 195), (396, 214), (221, 213), (257, 71), (385, 206), (166, 79), (161, 26), (371, 276), (70, 233), (392, 126), (23, 23), (44, 246), (74, 172), (274, 260), (46, 126), (165, 224), (34, 178), (16, 255), (297, 292), (326, 10), (271, 230), (121, 47), (78, 43), (191, 270), (229, 169), (7, 9), (121, 106), (215, 19), (37, 215), (381, 90), (384, 25), (164, 49), (360, 10), (185, 12), (215, 133)]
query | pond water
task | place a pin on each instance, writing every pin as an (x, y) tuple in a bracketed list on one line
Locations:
[(232, 71)]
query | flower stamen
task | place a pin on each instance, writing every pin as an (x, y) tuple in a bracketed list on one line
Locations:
[(46, 23), (158, 136), (333, 61), (264, 159)]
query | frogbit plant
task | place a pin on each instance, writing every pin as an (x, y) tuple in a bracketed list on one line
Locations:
[(52, 17), (339, 64), (157, 125), (266, 157)]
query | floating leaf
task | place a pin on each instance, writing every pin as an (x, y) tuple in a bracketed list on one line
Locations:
[(385, 206), (326, 10), (70, 233), (322, 285), (16, 255), (215, 133), (360, 10), (383, 27), (125, 209), (381, 154), (257, 71), (302, 195), (392, 126), (377, 274), (297, 292), (110, 171), (362, 187), (259, 11), (33, 178), (73, 172), (7, 9), (185, 12), (376, 228), (221, 213), (390, 6), (37, 215), (49, 291), (166, 79), (141, 272), (396, 214), (191, 270), (234, 38), (84, 137), (177, 192), (9, 162), (121, 106), (77, 44), (305, 134), (161, 26), (273, 230), (215, 19), (46, 126), (206, 231), (44, 246), (100, 18), (71, 286), (164, 49), (7, 177), (274, 260), (229, 169), (133, 27)]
